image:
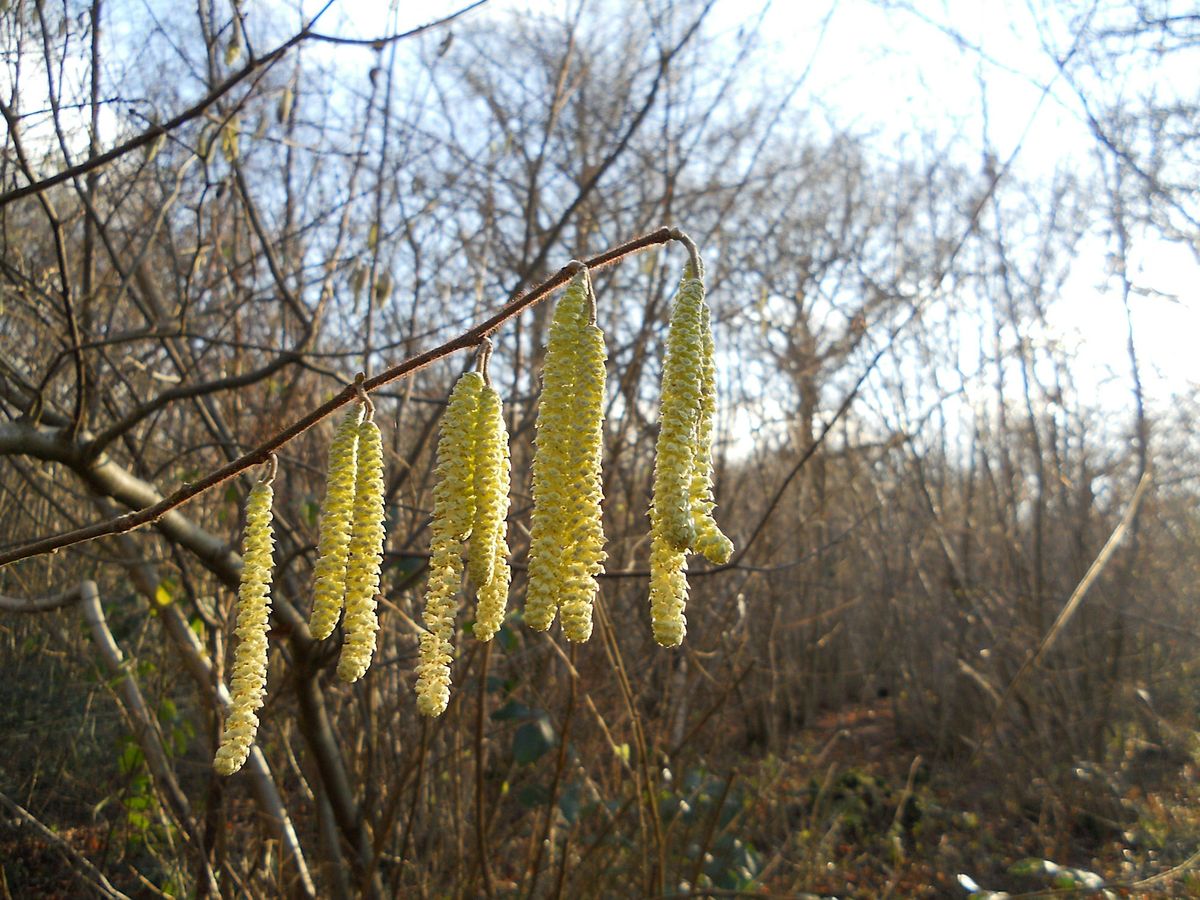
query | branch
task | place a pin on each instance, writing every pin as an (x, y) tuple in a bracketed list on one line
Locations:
[(40, 604), (1069, 608), (378, 43), (95, 878), (202, 105), (20, 436)]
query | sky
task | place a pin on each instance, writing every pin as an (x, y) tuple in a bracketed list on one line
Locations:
[(894, 74)]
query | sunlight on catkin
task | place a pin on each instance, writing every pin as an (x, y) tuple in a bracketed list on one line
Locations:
[(491, 503), (364, 556), (249, 681), (583, 513), (681, 519), (680, 408), (488, 562), (711, 542), (333, 544), (553, 480), (453, 519)]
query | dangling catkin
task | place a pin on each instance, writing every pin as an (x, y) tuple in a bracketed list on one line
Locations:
[(711, 542), (679, 411), (583, 513), (668, 590), (453, 519), (488, 558), (681, 511), (333, 544), (364, 556), (249, 681), (491, 498), (558, 413)]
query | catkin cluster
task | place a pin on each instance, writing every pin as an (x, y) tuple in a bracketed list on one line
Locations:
[(681, 517), (364, 556), (470, 500), (350, 544), (471, 504), (249, 682), (566, 549)]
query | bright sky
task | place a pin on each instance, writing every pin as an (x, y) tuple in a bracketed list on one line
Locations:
[(894, 75)]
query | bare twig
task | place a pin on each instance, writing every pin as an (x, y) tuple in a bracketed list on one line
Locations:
[(98, 881), (259, 455), (153, 133)]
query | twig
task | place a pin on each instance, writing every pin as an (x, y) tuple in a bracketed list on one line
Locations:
[(102, 885), (156, 131), (259, 455)]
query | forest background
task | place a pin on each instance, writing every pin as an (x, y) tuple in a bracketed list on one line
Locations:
[(952, 258)]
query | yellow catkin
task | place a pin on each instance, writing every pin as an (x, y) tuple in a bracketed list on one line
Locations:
[(491, 498), (553, 480), (668, 590), (679, 411), (681, 517), (493, 596), (488, 561), (333, 544), (583, 513), (710, 541), (364, 557), (453, 519), (249, 681)]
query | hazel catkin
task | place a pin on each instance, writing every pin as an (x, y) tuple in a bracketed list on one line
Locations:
[(364, 556), (681, 517), (583, 513), (249, 681), (566, 534), (488, 559), (710, 542), (333, 543), (680, 408), (452, 522)]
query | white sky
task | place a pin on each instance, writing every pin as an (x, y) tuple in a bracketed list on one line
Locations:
[(894, 76), (890, 74)]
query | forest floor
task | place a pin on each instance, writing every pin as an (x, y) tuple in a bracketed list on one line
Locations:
[(868, 817), (847, 811)]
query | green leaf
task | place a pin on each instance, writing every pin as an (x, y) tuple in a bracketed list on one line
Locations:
[(570, 803), (533, 795), (514, 710), (1031, 865), (507, 638), (167, 711), (532, 741)]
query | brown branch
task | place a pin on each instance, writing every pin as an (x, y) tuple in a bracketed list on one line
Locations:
[(97, 161), (378, 43), (259, 454), (40, 604)]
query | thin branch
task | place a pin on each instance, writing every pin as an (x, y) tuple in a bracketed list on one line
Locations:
[(259, 455), (96, 878), (40, 604), (376, 43), (153, 133)]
